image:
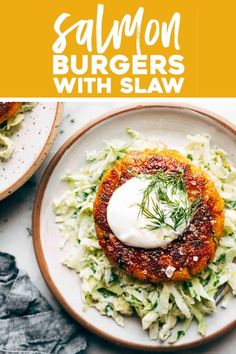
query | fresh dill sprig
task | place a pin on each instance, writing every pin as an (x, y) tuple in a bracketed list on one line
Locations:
[(159, 204)]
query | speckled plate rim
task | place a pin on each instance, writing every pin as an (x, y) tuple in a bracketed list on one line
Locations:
[(42, 155), (36, 223)]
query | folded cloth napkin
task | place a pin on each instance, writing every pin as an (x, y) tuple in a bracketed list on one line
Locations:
[(28, 324)]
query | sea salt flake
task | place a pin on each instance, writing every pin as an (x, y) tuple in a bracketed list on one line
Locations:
[(170, 271)]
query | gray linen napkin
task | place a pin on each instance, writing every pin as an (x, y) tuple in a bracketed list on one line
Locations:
[(28, 324)]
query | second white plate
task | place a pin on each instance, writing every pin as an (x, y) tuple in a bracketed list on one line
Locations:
[(31, 144)]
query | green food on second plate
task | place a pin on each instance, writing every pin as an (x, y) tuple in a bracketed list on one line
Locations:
[(9, 127)]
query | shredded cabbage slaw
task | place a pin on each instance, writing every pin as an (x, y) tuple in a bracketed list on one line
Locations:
[(8, 128), (115, 294)]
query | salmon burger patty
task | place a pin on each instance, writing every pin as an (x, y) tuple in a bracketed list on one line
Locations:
[(8, 110), (191, 251)]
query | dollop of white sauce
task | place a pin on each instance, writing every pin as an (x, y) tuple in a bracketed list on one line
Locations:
[(130, 226)]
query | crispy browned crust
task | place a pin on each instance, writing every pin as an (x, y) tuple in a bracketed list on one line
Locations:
[(8, 110), (199, 240)]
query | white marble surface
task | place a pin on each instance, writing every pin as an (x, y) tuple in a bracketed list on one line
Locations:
[(15, 214)]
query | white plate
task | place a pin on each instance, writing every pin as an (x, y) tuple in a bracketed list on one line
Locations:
[(31, 145), (171, 124)]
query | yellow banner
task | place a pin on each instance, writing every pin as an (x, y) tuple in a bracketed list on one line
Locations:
[(73, 48)]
